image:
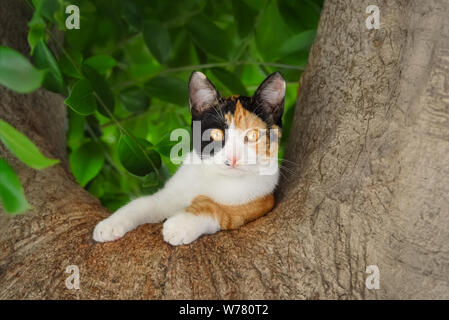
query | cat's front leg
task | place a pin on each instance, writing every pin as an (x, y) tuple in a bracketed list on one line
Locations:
[(112, 228), (149, 209), (184, 227)]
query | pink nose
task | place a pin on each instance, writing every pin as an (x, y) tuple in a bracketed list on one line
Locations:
[(231, 160)]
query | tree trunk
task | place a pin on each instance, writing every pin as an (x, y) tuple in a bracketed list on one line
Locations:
[(370, 186)]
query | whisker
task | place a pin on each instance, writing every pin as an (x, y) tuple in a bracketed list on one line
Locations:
[(290, 171), (221, 112), (291, 162), (284, 176), (217, 117)]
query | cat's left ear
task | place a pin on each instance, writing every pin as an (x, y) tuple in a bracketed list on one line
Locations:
[(202, 93), (270, 95)]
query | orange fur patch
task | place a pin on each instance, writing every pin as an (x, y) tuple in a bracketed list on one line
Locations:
[(231, 216), (247, 120)]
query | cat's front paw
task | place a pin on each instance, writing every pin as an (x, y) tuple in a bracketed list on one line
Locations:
[(109, 230), (184, 228)]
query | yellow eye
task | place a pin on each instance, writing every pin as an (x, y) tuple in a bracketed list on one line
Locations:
[(216, 134), (252, 135)]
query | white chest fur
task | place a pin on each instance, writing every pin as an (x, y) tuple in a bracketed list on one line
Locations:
[(192, 180)]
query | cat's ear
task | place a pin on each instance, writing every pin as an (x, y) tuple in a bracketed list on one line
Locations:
[(270, 96), (202, 93)]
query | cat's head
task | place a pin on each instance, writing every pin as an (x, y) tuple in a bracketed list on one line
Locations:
[(239, 135)]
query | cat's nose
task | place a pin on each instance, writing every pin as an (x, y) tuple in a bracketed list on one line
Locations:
[(231, 161)]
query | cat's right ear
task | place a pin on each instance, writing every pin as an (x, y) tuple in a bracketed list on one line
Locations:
[(202, 93)]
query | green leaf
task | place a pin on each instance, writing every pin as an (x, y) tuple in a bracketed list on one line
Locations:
[(81, 98), (94, 124), (136, 155), (44, 59), (105, 98), (96, 186), (230, 80), (49, 9), (132, 15), (245, 17), (86, 162), (11, 191), (157, 40), (208, 36), (168, 89), (150, 181), (271, 33), (71, 64), (75, 133), (135, 100), (183, 50), (17, 73), (297, 43), (46, 8), (23, 148), (36, 31), (299, 15), (165, 145), (37, 5), (102, 63), (115, 201)]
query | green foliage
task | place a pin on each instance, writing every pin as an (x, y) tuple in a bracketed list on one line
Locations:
[(37, 31), (157, 39), (137, 155), (296, 44), (230, 81), (11, 191), (70, 64), (102, 63), (245, 17), (209, 37), (124, 74), (43, 59), (135, 99), (23, 148), (86, 162), (168, 89), (81, 98), (17, 73), (101, 90)]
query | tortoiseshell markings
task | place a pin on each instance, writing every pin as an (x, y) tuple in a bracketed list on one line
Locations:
[(231, 216)]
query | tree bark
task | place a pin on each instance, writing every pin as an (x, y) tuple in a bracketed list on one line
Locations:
[(369, 184)]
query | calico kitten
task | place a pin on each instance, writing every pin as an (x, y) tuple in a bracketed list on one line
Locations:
[(224, 182)]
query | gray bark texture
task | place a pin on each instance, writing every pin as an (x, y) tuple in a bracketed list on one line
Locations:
[(369, 184)]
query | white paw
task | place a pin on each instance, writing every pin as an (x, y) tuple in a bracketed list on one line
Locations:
[(109, 230), (184, 228)]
